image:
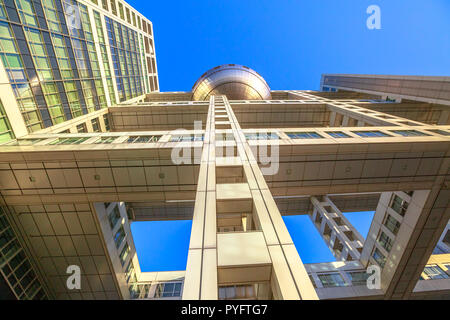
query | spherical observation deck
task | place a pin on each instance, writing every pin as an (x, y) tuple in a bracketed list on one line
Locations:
[(235, 81)]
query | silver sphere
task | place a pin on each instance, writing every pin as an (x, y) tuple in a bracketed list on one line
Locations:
[(235, 81)]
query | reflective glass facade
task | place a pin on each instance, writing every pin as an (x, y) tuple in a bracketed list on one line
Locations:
[(15, 267), (125, 52), (65, 59)]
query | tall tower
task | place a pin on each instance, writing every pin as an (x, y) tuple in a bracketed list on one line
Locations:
[(234, 157)]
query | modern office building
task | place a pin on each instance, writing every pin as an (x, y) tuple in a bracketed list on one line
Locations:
[(89, 145), (65, 61)]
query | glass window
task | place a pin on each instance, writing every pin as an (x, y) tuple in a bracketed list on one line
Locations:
[(262, 136), (409, 133), (168, 289), (441, 132), (135, 291), (435, 272), (122, 15), (371, 134), (359, 278), (399, 205), (26, 12), (106, 121), (65, 141), (105, 4), (385, 241), (379, 257), (129, 272), (241, 291), (124, 254), (143, 139), (81, 128), (51, 15), (119, 236), (113, 7), (304, 135), (95, 125), (190, 137), (331, 280), (338, 134), (114, 216), (105, 140), (392, 224)]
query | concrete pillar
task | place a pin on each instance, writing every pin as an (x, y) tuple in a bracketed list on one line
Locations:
[(201, 269), (232, 194)]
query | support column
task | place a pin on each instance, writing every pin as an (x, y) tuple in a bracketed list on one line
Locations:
[(289, 278), (201, 269)]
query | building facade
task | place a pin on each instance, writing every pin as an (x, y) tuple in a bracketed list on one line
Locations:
[(89, 145), (65, 60)]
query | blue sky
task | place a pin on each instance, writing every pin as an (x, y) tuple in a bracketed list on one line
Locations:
[(290, 43), (163, 245)]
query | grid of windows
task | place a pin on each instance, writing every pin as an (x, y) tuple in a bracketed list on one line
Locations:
[(126, 59), (15, 266), (51, 15), (168, 289), (26, 12), (45, 74), (144, 64), (304, 135), (104, 56), (69, 55), (12, 61), (371, 134)]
